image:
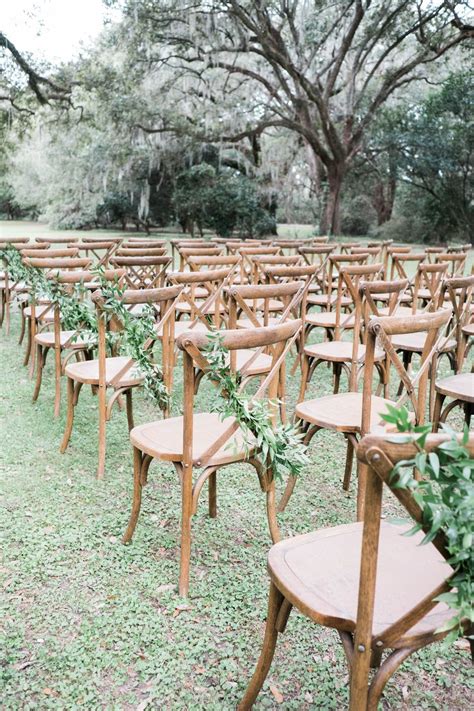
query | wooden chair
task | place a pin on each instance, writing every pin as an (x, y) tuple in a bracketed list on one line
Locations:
[(260, 263), (100, 250), (327, 319), (186, 252), (8, 287), (143, 272), (132, 251), (456, 262), (118, 373), (348, 356), (368, 581), (203, 440), (355, 414), (201, 299), (459, 292)]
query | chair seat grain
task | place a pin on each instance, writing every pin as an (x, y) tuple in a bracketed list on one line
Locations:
[(339, 351), (415, 342), (341, 412), (88, 372), (460, 386)]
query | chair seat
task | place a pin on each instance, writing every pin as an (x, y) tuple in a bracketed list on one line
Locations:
[(326, 299), (182, 326), (404, 299), (319, 574), (460, 387), (424, 294), (400, 311), (163, 439), (184, 307), (327, 319), (415, 342), (247, 323), (260, 365), (468, 329), (42, 313), (339, 351), (342, 412), (88, 372), (46, 339)]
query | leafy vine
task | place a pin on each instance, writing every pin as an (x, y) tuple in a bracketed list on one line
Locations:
[(445, 495), (280, 448)]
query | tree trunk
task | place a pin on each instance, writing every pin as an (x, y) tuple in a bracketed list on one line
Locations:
[(330, 223)]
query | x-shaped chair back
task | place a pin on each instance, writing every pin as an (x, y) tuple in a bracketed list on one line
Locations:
[(401, 262), (213, 282), (455, 260), (141, 252), (186, 253), (460, 292), (276, 260), (379, 455), (143, 272), (430, 278), (108, 248)]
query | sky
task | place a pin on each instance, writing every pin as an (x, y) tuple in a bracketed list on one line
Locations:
[(52, 29)]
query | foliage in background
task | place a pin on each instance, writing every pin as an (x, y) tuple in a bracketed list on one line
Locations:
[(445, 495)]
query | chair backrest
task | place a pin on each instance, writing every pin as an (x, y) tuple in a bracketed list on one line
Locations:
[(49, 253), (139, 242), (255, 302), (141, 251), (193, 345), (57, 239), (198, 262), (143, 272), (94, 247), (374, 254), (456, 262), (379, 331), (378, 456), (348, 286), (260, 262), (429, 277), (204, 251), (213, 282), (401, 262), (460, 292)]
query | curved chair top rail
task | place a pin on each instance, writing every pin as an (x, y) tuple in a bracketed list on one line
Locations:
[(139, 242), (200, 251), (459, 282), (76, 277), (400, 451), (59, 263), (141, 251), (382, 243), (361, 269), (296, 271), (341, 258), (234, 339), (398, 249), (459, 247), (383, 287), (278, 259), (366, 250), (102, 238), (409, 256), (434, 250), (13, 240), (451, 256), (147, 296), (58, 239), (438, 267), (128, 261), (264, 291), (251, 251), (288, 243), (50, 254), (203, 277), (14, 245), (397, 325), (219, 259), (318, 249), (93, 244)]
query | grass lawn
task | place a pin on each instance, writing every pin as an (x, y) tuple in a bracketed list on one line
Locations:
[(90, 623)]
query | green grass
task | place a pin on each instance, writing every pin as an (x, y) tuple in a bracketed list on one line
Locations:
[(90, 623)]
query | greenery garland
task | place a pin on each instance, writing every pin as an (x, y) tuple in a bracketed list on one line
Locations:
[(280, 448), (78, 313), (446, 498)]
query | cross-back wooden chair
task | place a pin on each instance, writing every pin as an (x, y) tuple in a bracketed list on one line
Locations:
[(327, 319), (384, 245), (71, 342), (288, 246), (377, 587), (205, 441), (432, 252), (318, 255), (459, 388), (143, 272), (140, 243), (374, 254), (401, 262), (347, 247), (456, 262), (428, 285), (203, 262), (201, 300), (204, 251), (249, 254), (355, 414), (9, 288), (116, 373), (341, 354), (132, 251), (36, 312), (99, 250), (276, 260)]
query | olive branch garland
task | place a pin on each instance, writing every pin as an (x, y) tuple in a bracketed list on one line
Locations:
[(77, 313), (445, 495), (280, 448)]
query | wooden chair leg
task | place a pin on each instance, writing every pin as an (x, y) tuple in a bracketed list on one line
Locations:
[(337, 377), (69, 415), (22, 329), (28, 343), (439, 399), (275, 601), (32, 353), (7, 313), (57, 381), (40, 360), (102, 427), (129, 401), (304, 377), (212, 495), (272, 514), (386, 670), (137, 495), (348, 468), (186, 517)]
